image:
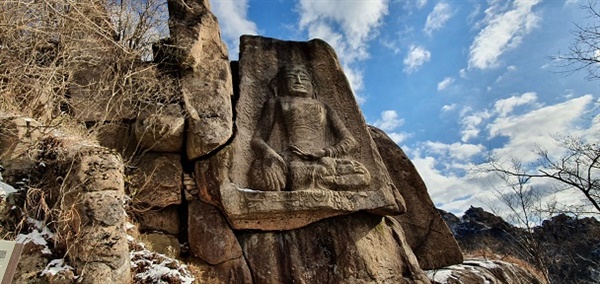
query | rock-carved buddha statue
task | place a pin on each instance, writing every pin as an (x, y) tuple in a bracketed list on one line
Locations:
[(313, 144)]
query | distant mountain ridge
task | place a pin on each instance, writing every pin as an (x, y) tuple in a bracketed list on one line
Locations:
[(570, 247)]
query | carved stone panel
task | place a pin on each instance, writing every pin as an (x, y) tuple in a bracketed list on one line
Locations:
[(302, 151)]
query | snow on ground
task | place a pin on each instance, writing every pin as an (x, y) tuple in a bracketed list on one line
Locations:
[(39, 235), (151, 267), (5, 188), (440, 276), (55, 266)]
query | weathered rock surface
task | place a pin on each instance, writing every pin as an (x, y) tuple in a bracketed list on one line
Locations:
[(163, 244), (92, 217), (118, 136), (157, 181), (356, 248), (482, 271), (164, 220), (348, 176), (161, 129), (231, 271), (426, 233), (206, 83), (267, 210), (209, 234)]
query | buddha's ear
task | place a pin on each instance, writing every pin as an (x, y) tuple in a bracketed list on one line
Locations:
[(273, 86)]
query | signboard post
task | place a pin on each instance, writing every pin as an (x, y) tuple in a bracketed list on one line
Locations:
[(10, 253)]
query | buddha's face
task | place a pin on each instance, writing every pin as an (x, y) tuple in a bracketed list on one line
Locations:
[(297, 82)]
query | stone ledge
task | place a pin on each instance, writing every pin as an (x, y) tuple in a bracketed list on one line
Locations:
[(288, 210)]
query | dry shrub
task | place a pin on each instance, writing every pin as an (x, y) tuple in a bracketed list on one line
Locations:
[(85, 58), (75, 65)]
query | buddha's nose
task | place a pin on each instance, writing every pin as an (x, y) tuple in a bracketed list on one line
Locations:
[(298, 79)]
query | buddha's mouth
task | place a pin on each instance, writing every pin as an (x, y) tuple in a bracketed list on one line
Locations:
[(298, 86)]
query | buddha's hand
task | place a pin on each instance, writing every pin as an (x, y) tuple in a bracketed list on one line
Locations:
[(306, 155), (274, 171)]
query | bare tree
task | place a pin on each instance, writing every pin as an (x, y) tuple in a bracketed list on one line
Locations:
[(584, 52), (524, 203), (578, 168)]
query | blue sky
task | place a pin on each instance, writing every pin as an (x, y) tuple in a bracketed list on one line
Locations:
[(452, 82)]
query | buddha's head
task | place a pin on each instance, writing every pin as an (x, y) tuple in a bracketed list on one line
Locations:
[(293, 81)]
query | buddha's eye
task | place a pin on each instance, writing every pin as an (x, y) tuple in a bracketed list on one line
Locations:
[(302, 77)]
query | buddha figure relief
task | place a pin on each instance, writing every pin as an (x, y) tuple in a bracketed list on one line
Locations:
[(312, 145)]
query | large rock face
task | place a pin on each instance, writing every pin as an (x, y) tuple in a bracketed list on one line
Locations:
[(302, 151), (206, 83), (426, 233)]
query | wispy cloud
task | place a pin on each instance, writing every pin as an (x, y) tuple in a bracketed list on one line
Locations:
[(504, 30), (445, 83), (348, 26), (438, 17), (447, 108), (234, 22), (416, 57)]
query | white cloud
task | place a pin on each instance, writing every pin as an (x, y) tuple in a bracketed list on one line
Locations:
[(460, 151), (234, 22), (505, 30), (416, 57), (472, 122), (399, 137), (347, 26), (452, 190), (391, 45), (535, 128), (447, 108), (456, 182), (438, 17), (389, 121), (445, 83), (421, 3), (505, 106)]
